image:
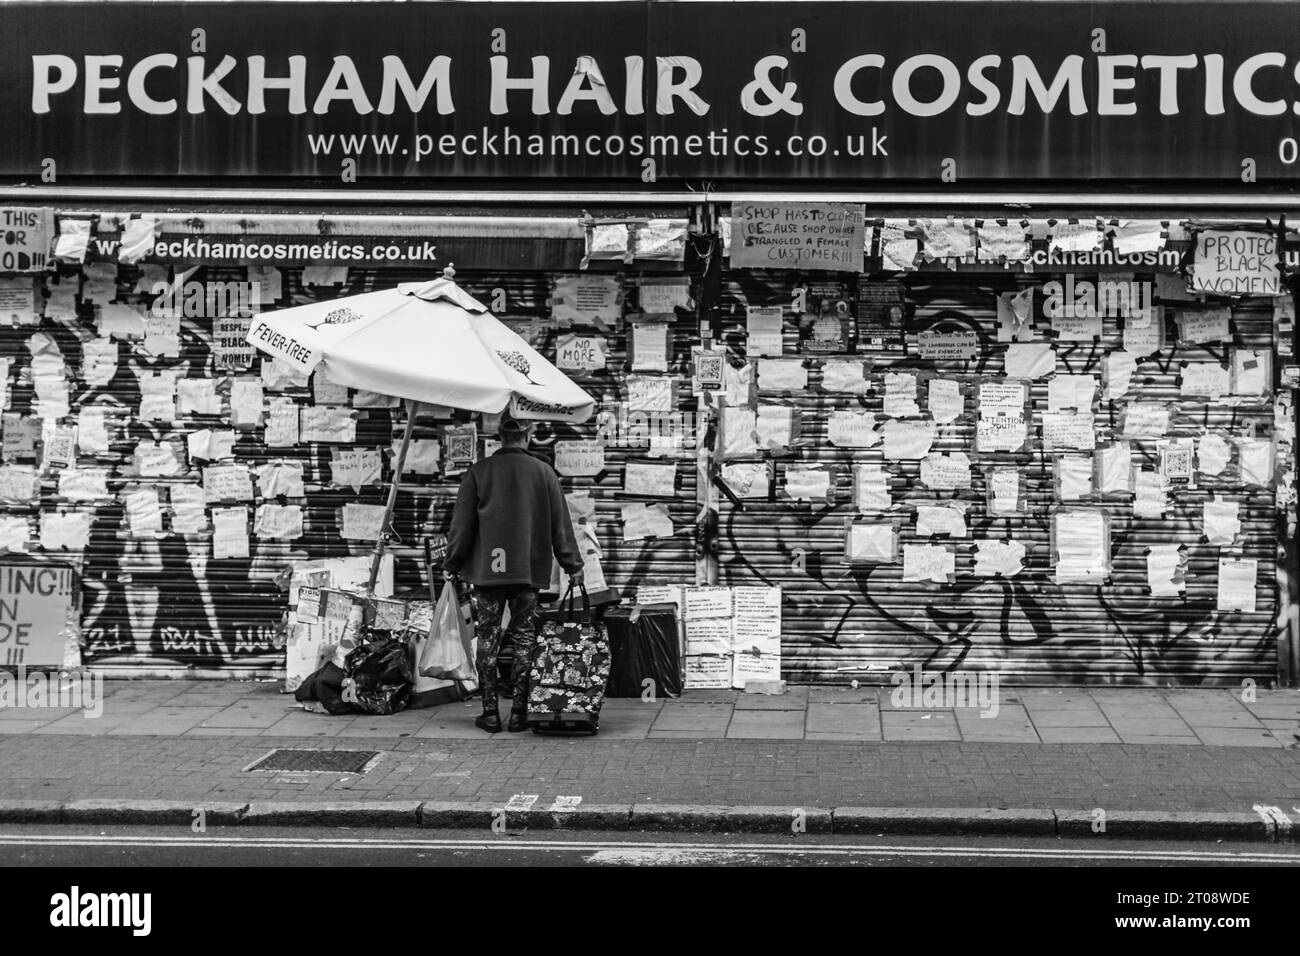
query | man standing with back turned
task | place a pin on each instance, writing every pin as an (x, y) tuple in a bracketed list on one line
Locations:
[(510, 518)]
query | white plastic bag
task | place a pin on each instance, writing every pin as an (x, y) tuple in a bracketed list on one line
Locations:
[(447, 653)]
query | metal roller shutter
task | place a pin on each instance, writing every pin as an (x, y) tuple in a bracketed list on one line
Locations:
[(845, 622)]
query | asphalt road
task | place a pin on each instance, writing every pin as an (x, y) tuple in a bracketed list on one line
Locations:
[(270, 847)]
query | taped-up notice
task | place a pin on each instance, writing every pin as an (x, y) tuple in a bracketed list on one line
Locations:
[(650, 480), (898, 253), (278, 376), (246, 402), (18, 301), (1208, 379), (650, 393), (929, 562), (1117, 374), (423, 456), (1212, 454), (757, 615), (1029, 360), (1000, 432), (641, 521), (946, 472), (229, 533), (1004, 493), (143, 512), (1073, 477), (1256, 462), (947, 346), (579, 459), (650, 346), (1067, 236), (900, 395), (154, 459), (944, 400), (849, 429), (197, 396), (58, 446), (748, 479), (783, 375), (68, 530), (51, 385), (1071, 391), (707, 671), (282, 423), (871, 489), (19, 484), (362, 522), (763, 328), (15, 534), (277, 479), (1076, 324), (1145, 420), (1252, 372), (326, 391), (1069, 431), (231, 351), (1002, 243), (227, 483), (157, 408), (998, 559), (842, 375), (73, 240), (807, 483), (187, 509), (1002, 398), (1114, 467), (355, 467), (278, 522), (868, 542), (707, 602), (1150, 494), (1136, 236), (1081, 543), (138, 236), (946, 519), (92, 431), (739, 432), (776, 427), (268, 284), (1148, 339), (589, 299), (327, 423), (1236, 262), (1016, 315), (162, 335), (738, 384), (210, 444), (20, 435), (1202, 326), (907, 440), (947, 239), (1166, 570), (1175, 457), (583, 353), (98, 361), (83, 484), (1237, 583), (1221, 522), (709, 635)]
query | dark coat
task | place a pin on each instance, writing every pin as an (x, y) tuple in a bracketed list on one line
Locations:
[(510, 518)]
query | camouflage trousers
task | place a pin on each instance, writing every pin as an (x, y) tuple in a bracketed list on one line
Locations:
[(489, 603)]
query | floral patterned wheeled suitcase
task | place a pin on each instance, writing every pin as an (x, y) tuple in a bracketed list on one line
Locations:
[(570, 668)]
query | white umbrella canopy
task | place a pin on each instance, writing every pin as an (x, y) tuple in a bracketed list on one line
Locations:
[(429, 342)]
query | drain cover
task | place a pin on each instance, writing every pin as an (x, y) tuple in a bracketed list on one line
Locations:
[(318, 761)]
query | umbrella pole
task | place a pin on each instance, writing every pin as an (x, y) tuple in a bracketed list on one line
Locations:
[(386, 529)]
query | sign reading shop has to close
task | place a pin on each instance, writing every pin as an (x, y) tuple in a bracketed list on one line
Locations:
[(643, 92)]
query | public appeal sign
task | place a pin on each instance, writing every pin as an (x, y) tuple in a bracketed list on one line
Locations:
[(644, 92)]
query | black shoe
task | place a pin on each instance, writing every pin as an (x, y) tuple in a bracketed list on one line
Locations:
[(518, 722), (489, 722)]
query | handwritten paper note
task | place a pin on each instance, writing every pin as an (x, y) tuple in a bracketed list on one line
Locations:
[(83, 484), (1212, 454), (1146, 420), (708, 602), (588, 299), (763, 330), (280, 478), (229, 533), (355, 467), (739, 432), (1251, 372), (1238, 578), (18, 484), (65, 531), (423, 456), (998, 558), (327, 423), (1030, 360), (650, 393), (278, 522), (1073, 477), (187, 509), (156, 459), (641, 521), (775, 426), (929, 562), (651, 480), (779, 375), (1236, 262), (947, 239), (1069, 431), (197, 396), (998, 242), (1117, 374), (870, 543), (900, 395), (210, 445), (584, 353), (1166, 570), (842, 375), (1150, 494), (579, 458), (1081, 540), (748, 479), (227, 483), (907, 440), (98, 361), (15, 534), (1202, 326), (1004, 494), (792, 235), (1081, 236), (143, 512), (1000, 432), (944, 400), (946, 472), (1221, 521), (1114, 465), (805, 483), (1071, 391), (947, 346), (871, 489), (948, 519), (650, 346), (282, 423), (850, 429), (1256, 462), (362, 522)]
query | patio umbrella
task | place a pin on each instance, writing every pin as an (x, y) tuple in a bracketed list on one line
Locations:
[(425, 342)]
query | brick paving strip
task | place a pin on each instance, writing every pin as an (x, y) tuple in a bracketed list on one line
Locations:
[(161, 750)]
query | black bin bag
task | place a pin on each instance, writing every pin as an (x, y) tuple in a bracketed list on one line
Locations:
[(643, 644)]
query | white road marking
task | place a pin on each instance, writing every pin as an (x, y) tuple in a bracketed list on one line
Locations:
[(613, 850)]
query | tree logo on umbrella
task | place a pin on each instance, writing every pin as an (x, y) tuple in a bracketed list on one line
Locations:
[(341, 317), (518, 362)]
